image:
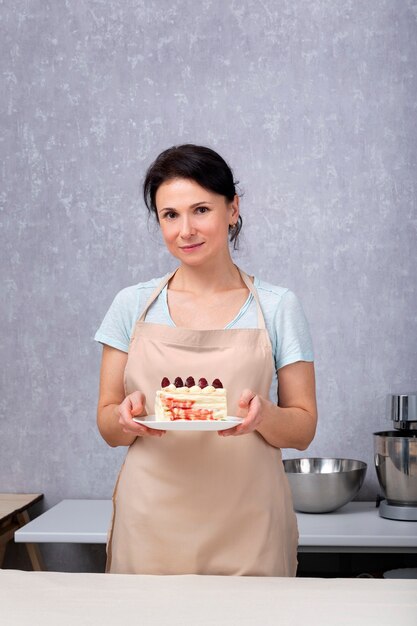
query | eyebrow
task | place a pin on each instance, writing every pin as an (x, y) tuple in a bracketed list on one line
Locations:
[(192, 206)]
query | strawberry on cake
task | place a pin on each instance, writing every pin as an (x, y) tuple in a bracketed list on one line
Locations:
[(179, 401)]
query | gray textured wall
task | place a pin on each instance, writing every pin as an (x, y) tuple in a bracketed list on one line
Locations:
[(314, 105)]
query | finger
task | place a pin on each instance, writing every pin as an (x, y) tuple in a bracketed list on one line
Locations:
[(134, 429), (252, 419), (246, 398), (126, 419), (237, 430), (125, 415), (247, 426), (227, 432), (143, 431), (154, 432), (137, 404)]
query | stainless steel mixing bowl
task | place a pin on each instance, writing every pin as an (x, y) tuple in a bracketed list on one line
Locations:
[(396, 465), (323, 485)]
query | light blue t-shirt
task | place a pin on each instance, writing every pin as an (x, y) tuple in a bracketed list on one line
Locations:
[(284, 319)]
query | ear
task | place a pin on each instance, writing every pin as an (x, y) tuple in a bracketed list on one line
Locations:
[(234, 206)]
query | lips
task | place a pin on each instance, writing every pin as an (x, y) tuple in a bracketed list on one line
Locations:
[(191, 247)]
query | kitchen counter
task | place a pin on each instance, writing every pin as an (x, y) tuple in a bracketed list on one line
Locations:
[(356, 527), (50, 598)]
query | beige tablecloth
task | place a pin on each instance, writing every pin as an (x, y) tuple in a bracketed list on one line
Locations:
[(58, 599)]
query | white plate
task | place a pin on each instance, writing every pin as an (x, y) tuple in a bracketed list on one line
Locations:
[(151, 422)]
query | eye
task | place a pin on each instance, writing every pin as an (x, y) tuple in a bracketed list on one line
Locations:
[(169, 215), (202, 209)]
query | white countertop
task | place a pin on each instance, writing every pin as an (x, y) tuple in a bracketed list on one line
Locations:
[(54, 598), (69, 521), (356, 527)]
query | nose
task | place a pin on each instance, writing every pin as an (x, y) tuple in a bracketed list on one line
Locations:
[(187, 227)]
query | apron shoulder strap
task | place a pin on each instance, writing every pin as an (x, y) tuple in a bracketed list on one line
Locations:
[(155, 294), (249, 284)]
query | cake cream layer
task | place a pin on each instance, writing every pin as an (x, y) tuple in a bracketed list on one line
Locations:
[(192, 403)]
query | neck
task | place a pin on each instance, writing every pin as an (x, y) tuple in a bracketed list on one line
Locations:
[(218, 276)]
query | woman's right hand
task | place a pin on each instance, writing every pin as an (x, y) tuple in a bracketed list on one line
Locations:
[(115, 410), (134, 406)]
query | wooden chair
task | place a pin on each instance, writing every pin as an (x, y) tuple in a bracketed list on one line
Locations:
[(13, 515)]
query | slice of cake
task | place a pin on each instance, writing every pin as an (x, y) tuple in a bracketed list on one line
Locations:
[(179, 401)]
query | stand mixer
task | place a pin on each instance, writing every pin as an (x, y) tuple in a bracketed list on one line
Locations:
[(396, 459)]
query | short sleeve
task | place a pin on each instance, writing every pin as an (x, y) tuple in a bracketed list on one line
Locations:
[(293, 339), (116, 328)]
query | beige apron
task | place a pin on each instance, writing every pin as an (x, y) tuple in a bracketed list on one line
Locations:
[(194, 502)]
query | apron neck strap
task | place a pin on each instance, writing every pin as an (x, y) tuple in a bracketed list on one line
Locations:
[(249, 284), (155, 294)]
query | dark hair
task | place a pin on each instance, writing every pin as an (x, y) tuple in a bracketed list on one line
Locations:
[(198, 163)]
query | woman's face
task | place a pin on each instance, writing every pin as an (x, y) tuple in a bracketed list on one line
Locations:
[(194, 221)]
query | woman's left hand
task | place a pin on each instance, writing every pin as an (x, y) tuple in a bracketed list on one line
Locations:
[(250, 408)]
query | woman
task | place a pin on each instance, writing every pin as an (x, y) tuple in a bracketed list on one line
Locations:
[(204, 502)]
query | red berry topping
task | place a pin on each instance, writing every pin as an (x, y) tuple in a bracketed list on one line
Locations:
[(217, 384), (178, 382), (190, 382), (165, 382), (202, 383)]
